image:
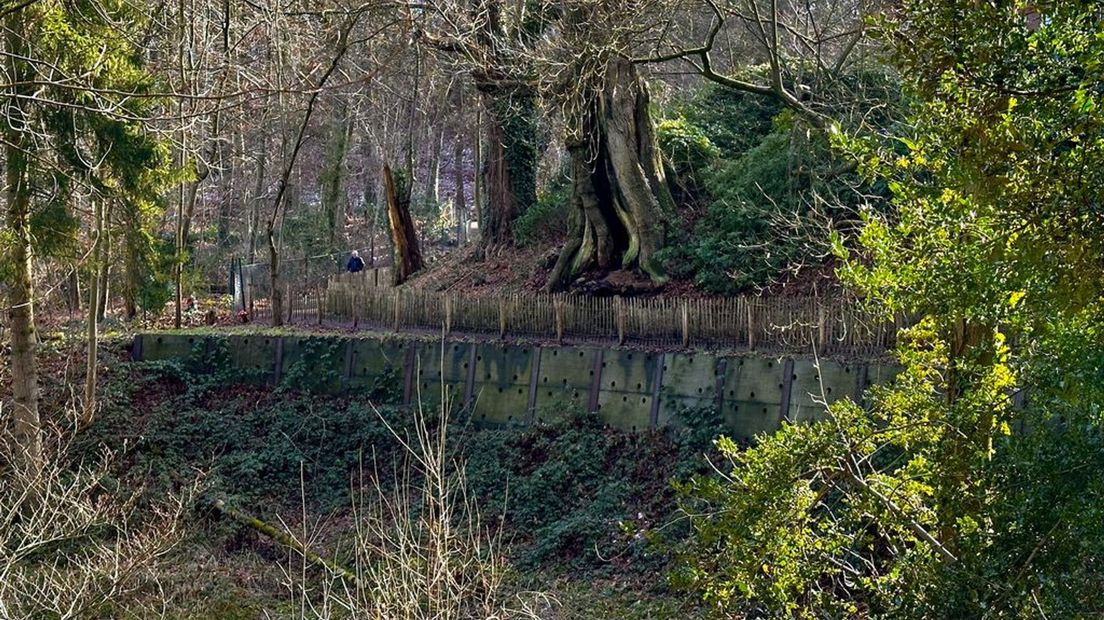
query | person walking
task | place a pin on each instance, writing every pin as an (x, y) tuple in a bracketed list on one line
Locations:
[(356, 263)]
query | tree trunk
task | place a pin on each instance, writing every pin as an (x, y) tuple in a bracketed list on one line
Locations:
[(333, 198), (459, 200), (178, 258), (511, 166), (373, 225), (620, 195), (103, 262), (188, 197), (477, 190), (435, 171), (276, 295), (25, 423), (258, 197), (133, 275), (408, 257), (431, 193), (72, 291), (228, 180), (226, 163), (94, 296)]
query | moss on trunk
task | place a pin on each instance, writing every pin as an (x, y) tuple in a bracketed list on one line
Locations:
[(620, 196)]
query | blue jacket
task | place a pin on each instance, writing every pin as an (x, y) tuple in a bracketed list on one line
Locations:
[(356, 264)]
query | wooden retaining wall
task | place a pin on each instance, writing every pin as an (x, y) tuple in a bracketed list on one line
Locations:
[(522, 384)]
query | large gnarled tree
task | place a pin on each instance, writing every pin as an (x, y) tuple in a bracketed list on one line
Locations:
[(619, 194)]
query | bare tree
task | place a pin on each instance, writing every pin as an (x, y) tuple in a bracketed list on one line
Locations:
[(488, 39), (342, 47), (806, 47)]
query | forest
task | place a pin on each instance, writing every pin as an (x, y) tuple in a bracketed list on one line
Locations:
[(643, 175)]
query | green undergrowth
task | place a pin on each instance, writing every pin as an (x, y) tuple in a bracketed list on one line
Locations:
[(577, 500)]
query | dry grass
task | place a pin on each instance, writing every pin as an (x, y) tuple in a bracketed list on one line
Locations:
[(421, 547), (75, 542)]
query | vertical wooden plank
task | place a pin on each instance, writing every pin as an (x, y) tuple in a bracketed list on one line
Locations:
[(822, 327), (751, 325), (352, 309), (727, 324), (619, 317), (558, 309), (657, 384), (685, 325), (596, 382), (534, 378), (279, 369), (448, 315), (787, 388), (409, 372), (397, 299)]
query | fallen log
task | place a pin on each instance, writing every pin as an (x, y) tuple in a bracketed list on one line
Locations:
[(284, 539)]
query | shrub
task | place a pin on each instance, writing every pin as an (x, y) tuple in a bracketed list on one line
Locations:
[(76, 541), (738, 243), (573, 493), (549, 217), (733, 121), (688, 150), (772, 210)]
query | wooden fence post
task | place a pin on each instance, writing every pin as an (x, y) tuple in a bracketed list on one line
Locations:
[(619, 316), (685, 325), (558, 311), (751, 326), (288, 299), (397, 297), (448, 314), (822, 329), (354, 309), (502, 319)]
